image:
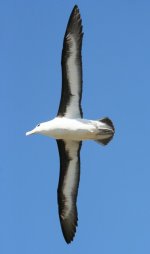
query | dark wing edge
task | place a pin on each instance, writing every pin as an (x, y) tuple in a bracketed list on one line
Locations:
[(71, 62), (69, 152)]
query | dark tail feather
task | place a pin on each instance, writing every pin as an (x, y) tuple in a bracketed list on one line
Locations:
[(107, 121), (106, 140)]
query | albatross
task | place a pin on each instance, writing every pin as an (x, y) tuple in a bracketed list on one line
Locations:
[(69, 128)]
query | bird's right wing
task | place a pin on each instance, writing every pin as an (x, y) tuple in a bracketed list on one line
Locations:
[(69, 152), (71, 94)]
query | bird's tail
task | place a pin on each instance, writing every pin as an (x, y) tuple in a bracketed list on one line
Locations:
[(107, 133)]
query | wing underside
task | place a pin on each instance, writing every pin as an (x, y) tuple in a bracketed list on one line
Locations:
[(70, 103), (69, 152)]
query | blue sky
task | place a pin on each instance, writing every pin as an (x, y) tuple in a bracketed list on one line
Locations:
[(114, 193)]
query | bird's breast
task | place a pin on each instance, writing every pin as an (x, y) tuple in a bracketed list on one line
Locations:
[(71, 129)]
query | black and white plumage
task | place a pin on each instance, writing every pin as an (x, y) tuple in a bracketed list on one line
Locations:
[(70, 104), (69, 152), (70, 129)]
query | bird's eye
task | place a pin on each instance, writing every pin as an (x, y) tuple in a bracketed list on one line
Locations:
[(38, 125)]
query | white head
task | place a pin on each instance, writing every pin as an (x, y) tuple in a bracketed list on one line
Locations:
[(40, 128)]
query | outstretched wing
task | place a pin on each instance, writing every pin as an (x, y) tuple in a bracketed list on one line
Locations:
[(69, 152), (70, 103)]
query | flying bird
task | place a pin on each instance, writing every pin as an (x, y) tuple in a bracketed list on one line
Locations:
[(69, 128)]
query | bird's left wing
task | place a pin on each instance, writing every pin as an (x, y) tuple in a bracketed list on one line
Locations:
[(69, 152), (70, 103)]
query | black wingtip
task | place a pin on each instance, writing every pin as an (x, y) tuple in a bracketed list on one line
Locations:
[(75, 23), (69, 228), (75, 7), (69, 234), (75, 12)]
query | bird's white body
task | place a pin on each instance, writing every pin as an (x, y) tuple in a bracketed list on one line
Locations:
[(72, 129)]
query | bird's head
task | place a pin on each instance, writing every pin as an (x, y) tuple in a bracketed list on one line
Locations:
[(37, 129)]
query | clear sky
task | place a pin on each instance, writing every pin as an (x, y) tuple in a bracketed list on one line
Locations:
[(114, 192)]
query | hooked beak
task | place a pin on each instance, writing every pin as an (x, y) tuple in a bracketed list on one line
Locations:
[(30, 132)]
